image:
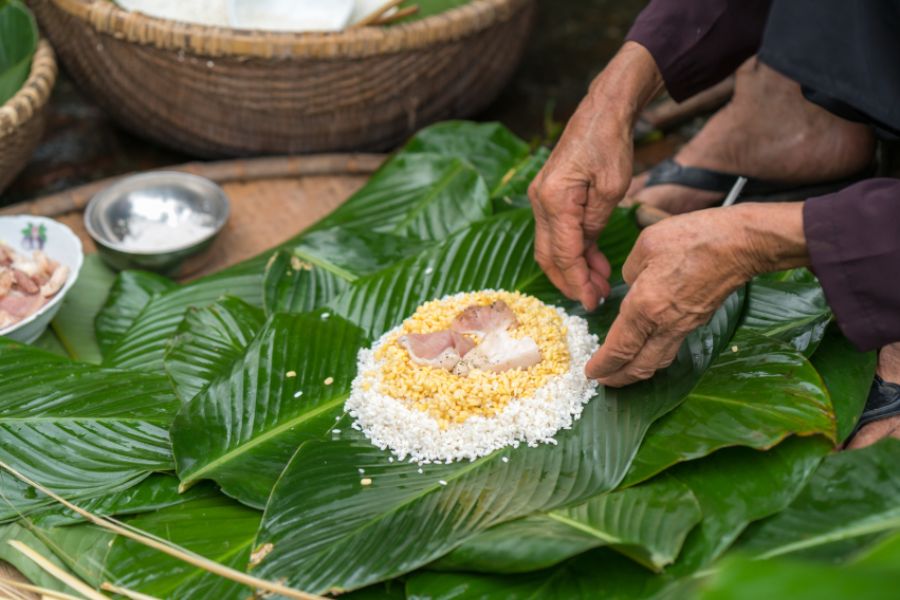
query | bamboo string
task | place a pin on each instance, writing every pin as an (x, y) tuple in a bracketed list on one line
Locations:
[(173, 550), (70, 580), (115, 589), (44, 592)]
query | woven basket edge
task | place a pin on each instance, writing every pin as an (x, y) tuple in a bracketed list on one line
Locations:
[(107, 18), (34, 93)]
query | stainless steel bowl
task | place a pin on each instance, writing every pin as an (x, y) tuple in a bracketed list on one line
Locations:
[(157, 221)]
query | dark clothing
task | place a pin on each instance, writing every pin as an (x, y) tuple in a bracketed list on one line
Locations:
[(846, 55), (698, 43), (854, 242)]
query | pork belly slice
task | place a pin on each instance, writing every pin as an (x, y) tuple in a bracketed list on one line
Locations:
[(442, 349), (499, 352), (24, 282), (55, 282), (485, 319), (6, 281), (20, 306)]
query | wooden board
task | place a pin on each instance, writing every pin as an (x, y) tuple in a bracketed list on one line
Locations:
[(272, 199)]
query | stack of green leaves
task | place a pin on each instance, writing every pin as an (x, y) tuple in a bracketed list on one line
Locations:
[(18, 43), (180, 414)]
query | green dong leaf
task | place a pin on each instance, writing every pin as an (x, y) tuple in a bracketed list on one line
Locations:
[(287, 387)]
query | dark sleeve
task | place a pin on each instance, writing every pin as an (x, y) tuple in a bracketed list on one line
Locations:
[(853, 238), (697, 43)]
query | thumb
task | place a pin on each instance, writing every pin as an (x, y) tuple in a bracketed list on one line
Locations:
[(635, 263)]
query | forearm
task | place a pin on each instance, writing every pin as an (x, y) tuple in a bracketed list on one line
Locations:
[(772, 238), (625, 86), (697, 43)]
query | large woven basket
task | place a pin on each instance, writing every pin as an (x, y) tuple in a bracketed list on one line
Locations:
[(22, 118), (217, 91)]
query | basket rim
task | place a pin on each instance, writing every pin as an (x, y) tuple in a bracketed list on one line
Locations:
[(107, 17), (34, 93)]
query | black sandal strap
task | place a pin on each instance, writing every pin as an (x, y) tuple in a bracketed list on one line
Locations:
[(883, 402), (671, 172)]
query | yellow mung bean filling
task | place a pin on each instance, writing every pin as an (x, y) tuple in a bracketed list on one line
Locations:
[(450, 398)]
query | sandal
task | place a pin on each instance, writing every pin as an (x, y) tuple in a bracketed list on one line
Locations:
[(755, 190), (883, 402)]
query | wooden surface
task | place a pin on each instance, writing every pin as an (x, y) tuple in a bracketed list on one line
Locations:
[(272, 199)]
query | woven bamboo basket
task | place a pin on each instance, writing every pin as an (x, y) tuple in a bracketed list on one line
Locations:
[(216, 91), (22, 118)]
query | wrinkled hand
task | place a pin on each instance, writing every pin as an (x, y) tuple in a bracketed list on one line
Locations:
[(573, 196), (680, 271), (875, 431), (588, 174)]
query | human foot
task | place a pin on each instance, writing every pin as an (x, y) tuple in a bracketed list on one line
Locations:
[(767, 131), (889, 371)]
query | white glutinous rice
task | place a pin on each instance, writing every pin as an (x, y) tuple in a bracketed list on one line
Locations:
[(414, 435)]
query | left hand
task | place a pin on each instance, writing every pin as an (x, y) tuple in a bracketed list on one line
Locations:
[(681, 270), (874, 431)]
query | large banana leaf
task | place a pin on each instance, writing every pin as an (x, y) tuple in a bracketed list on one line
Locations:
[(737, 486), (214, 527), (142, 347), (18, 42), (73, 323), (130, 293), (153, 493), (78, 429), (596, 574), (288, 386), (648, 523), (423, 196), (789, 306), (744, 579), (848, 374), (755, 394), (324, 263), (35, 574), (329, 532), (494, 253), (514, 184), (208, 341), (852, 497), (497, 153)]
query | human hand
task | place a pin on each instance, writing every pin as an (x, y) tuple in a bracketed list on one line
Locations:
[(681, 270), (587, 174)]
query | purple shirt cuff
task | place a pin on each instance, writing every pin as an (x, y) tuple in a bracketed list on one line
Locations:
[(853, 237), (697, 43)]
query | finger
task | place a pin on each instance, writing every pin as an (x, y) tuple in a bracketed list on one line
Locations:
[(657, 353), (626, 338), (568, 254), (542, 252), (598, 262), (636, 261)]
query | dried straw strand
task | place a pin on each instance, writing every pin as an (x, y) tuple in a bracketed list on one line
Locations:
[(44, 592), (173, 550), (115, 589), (70, 580)]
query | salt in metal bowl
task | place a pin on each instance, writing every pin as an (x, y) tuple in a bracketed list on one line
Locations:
[(159, 221)]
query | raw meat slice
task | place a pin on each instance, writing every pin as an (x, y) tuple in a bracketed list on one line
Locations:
[(442, 349), (56, 281), (484, 319), (500, 352)]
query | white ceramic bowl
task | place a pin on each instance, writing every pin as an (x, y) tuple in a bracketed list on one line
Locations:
[(60, 244), (290, 15)]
